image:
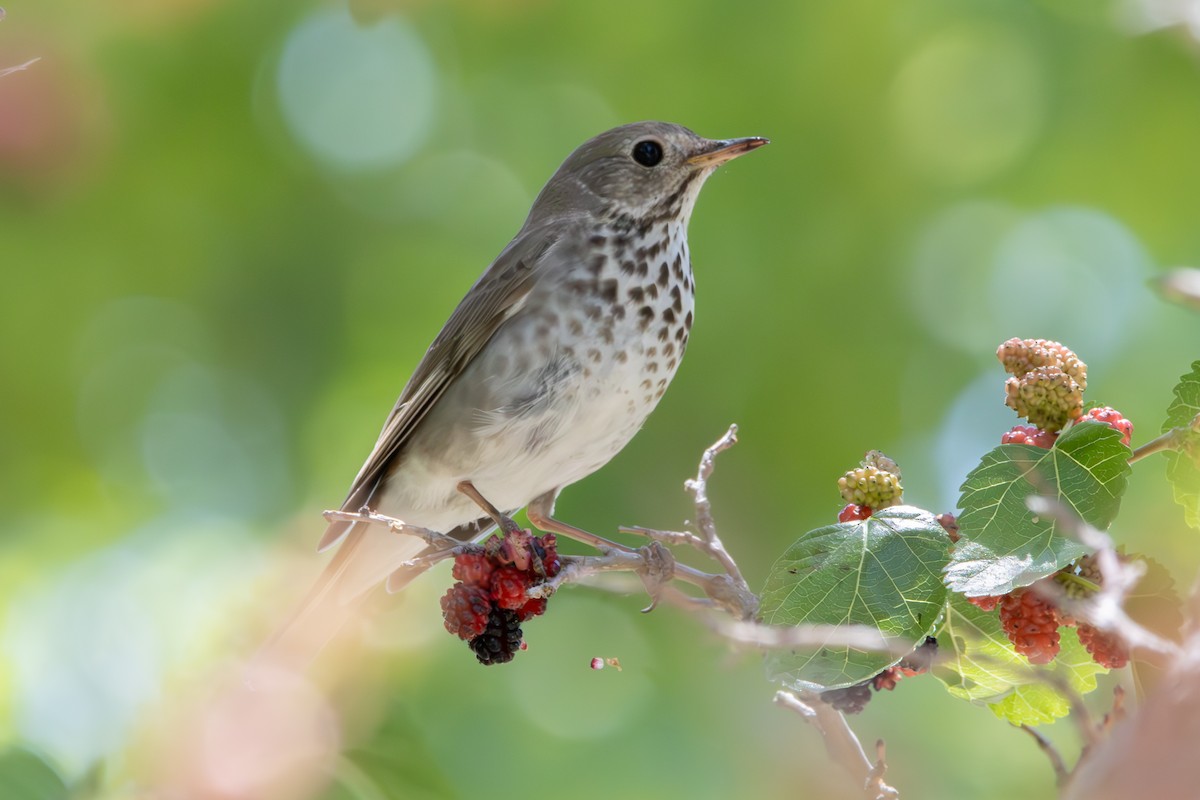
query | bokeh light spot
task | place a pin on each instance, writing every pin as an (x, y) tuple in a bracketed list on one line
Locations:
[(951, 271), (91, 647), (968, 104), (445, 188), (983, 272), (1073, 274), (356, 98)]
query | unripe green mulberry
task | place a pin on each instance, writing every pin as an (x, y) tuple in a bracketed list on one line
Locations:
[(1020, 356), (1080, 579), (1046, 396), (871, 486)]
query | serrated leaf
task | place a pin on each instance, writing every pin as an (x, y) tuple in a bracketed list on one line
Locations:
[(884, 571), (1004, 545), (977, 662), (1183, 466)]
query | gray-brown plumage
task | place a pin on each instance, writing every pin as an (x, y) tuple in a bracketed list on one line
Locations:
[(545, 370)]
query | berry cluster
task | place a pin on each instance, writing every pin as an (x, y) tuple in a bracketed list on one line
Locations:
[(1028, 434), (873, 486), (1020, 356), (1031, 623), (1047, 382), (490, 597), (986, 602), (1031, 620), (1112, 418), (853, 699), (1105, 649)]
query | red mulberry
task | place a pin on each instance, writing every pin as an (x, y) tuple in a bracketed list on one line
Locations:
[(465, 610), (1031, 623)]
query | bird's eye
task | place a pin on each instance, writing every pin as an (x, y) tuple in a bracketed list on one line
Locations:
[(647, 152)]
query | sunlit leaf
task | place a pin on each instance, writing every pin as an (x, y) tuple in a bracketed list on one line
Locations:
[(1031, 704), (884, 571), (1004, 544), (977, 662), (1183, 466), (975, 659)]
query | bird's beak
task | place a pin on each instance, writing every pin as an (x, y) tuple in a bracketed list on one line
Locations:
[(717, 153)]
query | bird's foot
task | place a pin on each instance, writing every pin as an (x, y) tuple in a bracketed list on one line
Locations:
[(506, 523)]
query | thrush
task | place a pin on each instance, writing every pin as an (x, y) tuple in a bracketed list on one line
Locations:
[(546, 369)]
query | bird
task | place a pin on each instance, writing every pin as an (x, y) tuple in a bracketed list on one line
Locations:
[(542, 374)]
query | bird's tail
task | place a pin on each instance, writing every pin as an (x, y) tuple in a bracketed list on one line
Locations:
[(365, 558)]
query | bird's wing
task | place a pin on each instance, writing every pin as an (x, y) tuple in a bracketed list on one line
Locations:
[(498, 294)]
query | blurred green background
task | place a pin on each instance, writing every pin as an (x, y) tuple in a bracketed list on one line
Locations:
[(229, 230)]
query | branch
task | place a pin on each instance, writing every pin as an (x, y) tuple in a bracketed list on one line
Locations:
[(777, 637), (19, 67), (1061, 774), (730, 589), (841, 743), (704, 517), (1173, 439), (726, 591), (1106, 608), (432, 538)]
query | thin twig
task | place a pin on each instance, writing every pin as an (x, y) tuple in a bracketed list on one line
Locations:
[(578, 569), (1106, 608), (1171, 440), (1081, 715), (779, 637), (674, 538), (876, 788), (1061, 774), (704, 518), (1116, 713), (841, 742), (366, 516), (19, 67), (728, 589)]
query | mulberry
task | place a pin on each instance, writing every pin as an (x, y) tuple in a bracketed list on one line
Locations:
[(1031, 623)]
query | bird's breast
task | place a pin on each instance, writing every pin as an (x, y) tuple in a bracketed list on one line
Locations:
[(564, 385)]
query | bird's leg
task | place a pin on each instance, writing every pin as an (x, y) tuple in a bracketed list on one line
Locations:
[(540, 511), (504, 522)]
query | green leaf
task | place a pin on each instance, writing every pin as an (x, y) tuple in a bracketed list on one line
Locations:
[(25, 776), (884, 571), (977, 662), (1040, 703), (1183, 466), (1031, 704), (1004, 545)]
